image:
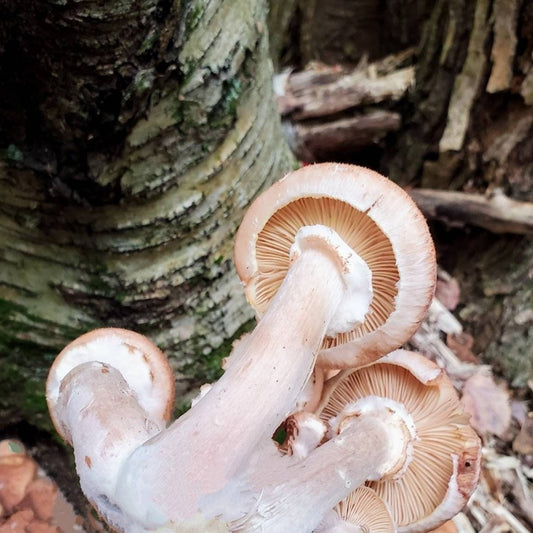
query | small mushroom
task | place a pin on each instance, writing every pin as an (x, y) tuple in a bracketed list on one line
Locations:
[(17, 471), (18, 522), (434, 460), (41, 497), (363, 511), (108, 392)]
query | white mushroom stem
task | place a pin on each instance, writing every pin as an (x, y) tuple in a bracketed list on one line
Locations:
[(296, 495), (105, 424), (327, 283)]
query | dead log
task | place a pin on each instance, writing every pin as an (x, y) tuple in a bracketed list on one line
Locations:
[(495, 212), (316, 141), (328, 91), (329, 110)]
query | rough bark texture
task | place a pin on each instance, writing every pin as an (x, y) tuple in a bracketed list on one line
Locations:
[(471, 129), (343, 31), (132, 135)]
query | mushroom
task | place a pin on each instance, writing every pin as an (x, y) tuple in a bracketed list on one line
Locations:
[(434, 461), (363, 511), (17, 471), (309, 398), (358, 268), (377, 220), (326, 288), (108, 391)]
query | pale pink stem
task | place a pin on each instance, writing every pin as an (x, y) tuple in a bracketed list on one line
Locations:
[(211, 443), (295, 495)]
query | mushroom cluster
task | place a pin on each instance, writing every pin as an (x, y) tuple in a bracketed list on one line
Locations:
[(339, 266), (27, 498)]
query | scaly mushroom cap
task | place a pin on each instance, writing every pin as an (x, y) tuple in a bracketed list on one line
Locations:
[(376, 219), (144, 367), (442, 467), (362, 511)]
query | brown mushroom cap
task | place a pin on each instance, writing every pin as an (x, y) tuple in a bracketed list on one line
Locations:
[(377, 219), (364, 508), (443, 469), (17, 471), (144, 367)]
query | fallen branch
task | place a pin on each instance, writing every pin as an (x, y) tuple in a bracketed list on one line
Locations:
[(331, 109), (316, 141), (309, 94), (496, 212)]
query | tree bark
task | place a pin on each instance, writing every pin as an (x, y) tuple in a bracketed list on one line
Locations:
[(471, 129), (132, 137), (343, 31)]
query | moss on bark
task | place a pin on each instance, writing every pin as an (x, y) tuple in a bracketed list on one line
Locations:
[(143, 132)]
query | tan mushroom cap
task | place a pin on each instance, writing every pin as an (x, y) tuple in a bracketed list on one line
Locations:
[(377, 219), (142, 364), (17, 471), (443, 469), (365, 509)]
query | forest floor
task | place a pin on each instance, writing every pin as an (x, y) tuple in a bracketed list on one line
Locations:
[(501, 415)]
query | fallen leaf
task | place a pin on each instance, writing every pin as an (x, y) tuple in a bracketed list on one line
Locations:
[(524, 441), (448, 292), (461, 345), (487, 403)]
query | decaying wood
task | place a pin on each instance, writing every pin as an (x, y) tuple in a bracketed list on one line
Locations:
[(467, 84), (496, 212), (504, 45), (331, 90), (331, 109), (429, 341), (316, 141)]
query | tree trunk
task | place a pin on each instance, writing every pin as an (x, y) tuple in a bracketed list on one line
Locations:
[(471, 129), (343, 31), (132, 137)]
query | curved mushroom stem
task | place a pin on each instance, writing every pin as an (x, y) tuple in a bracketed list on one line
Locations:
[(91, 395), (295, 495), (213, 442)]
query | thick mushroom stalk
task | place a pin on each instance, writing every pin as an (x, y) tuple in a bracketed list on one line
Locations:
[(327, 286), (295, 495), (89, 399)]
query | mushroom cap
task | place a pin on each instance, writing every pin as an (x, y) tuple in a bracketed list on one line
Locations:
[(443, 469), (374, 217), (141, 363), (365, 509), (17, 471)]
